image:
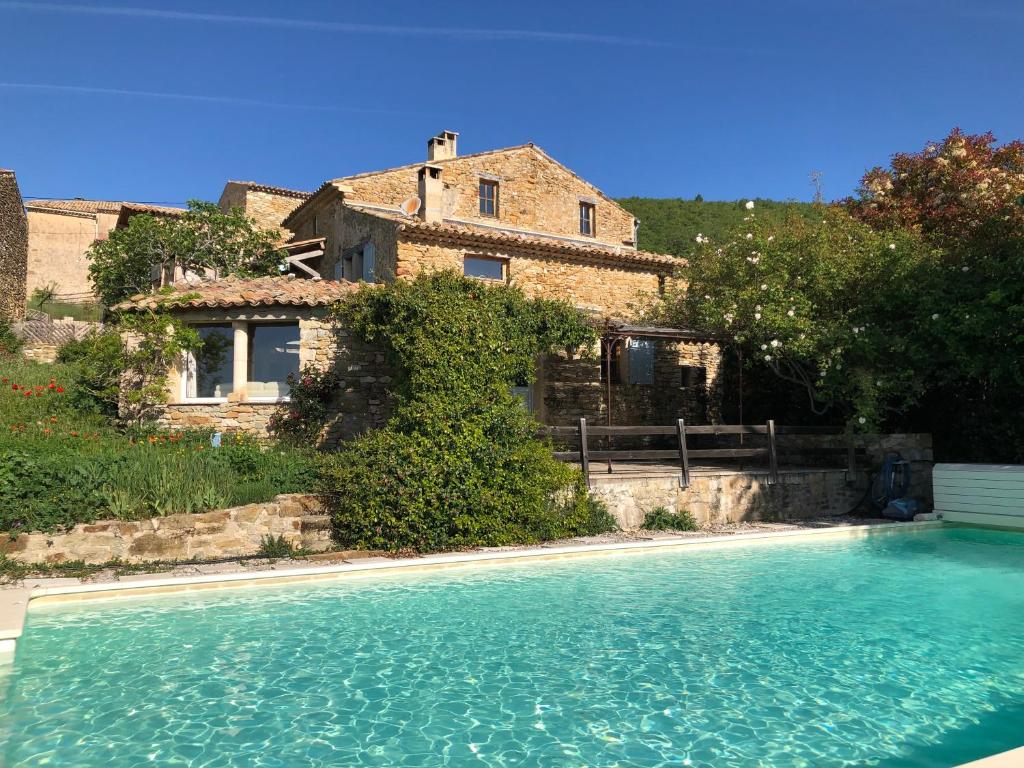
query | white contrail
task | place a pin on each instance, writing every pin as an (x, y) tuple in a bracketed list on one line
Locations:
[(337, 26), (238, 101)]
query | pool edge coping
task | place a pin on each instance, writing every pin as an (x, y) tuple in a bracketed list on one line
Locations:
[(173, 584)]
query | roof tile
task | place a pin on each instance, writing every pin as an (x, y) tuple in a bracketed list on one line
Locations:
[(284, 290)]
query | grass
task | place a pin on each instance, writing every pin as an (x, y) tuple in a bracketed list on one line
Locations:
[(60, 465), (61, 309)]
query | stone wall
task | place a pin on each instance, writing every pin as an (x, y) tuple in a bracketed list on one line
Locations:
[(234, 532), (44, 338), (730, 497), (13, 248), (58, 245), (598, 289), (268, 206), (534, 193), (360, 403), (574, 386)]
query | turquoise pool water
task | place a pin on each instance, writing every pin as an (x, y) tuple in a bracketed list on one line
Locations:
[(895, 650)]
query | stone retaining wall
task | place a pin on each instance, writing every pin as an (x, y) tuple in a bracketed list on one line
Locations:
[(731, 497), (43, 338), (231, 532)]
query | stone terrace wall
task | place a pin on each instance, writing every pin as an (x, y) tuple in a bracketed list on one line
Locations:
[(234, 532), (731, 497)]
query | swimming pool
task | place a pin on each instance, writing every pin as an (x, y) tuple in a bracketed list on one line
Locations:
[(899, 650)]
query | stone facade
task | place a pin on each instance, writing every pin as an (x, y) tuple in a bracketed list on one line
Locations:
[(268, 206), (360, 403), (234, 532), (575, 385), (13, 248), (535, 193)]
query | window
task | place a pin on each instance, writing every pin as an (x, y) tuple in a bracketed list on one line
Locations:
[(273, 355), (488, 197), (369, 271), (209, 372), (483, 267), (693, 376), (640, 361), (358, 263), (587, 219)]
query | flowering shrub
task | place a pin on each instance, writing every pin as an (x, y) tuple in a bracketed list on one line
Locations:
[(301, 420), (820, 304)]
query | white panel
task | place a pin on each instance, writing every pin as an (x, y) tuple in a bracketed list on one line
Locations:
[(980, 494)]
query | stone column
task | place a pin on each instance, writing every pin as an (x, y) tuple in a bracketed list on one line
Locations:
[(241, 358)]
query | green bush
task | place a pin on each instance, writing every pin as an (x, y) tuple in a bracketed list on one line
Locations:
[(275, 547), (9, 343), (99, 359), (458, 464), (660, 519)]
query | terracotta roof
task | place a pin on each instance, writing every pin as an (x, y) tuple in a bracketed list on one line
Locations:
[(285, 290), (470, 235), (76, 206), (270, 189)]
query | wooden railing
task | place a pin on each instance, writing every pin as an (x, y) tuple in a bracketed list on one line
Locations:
[(682, 453)]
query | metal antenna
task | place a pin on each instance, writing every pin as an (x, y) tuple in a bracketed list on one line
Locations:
[(816, 181)]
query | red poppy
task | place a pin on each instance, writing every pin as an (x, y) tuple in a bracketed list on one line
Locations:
[(60, 389), (52, 385), (28, 393), (14, 386)]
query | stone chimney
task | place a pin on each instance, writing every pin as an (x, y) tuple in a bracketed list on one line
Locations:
[(431, 191), (442, 146), (13, 248)]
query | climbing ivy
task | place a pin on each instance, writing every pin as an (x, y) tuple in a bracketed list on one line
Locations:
[(459, 463)]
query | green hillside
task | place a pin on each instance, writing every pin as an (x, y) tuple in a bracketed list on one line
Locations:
[(671, 225)]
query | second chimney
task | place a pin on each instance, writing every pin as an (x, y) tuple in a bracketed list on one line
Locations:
[(442, 146), (431, 191)]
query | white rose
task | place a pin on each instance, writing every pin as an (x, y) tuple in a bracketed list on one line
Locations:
[(935, 316), (750, 205), (749, 236), (862, 420)]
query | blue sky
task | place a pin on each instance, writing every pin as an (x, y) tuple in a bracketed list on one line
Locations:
[(135, 99)]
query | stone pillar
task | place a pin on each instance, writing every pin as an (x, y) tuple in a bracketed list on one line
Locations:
[(241, 359), (13, 248)]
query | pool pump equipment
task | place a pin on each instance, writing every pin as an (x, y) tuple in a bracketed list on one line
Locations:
[(889, 489)]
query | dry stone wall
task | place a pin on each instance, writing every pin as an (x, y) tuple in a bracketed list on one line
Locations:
[(234, 532)]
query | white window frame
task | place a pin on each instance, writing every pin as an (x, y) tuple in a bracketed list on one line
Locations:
[(188, 365)]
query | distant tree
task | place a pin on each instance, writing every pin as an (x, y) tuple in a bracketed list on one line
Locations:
[(699, 198), (203, 238)]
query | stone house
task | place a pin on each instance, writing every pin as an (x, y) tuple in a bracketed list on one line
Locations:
[(513, 216), (59, 235), (13, 248), (268, 206)]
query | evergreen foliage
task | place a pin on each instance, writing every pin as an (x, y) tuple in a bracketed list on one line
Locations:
[(459, 463), (671, 225)]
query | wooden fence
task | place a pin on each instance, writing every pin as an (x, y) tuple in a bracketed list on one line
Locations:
[(683, 454)]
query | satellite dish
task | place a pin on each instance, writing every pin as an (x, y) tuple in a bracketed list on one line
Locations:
[(411, 205)]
